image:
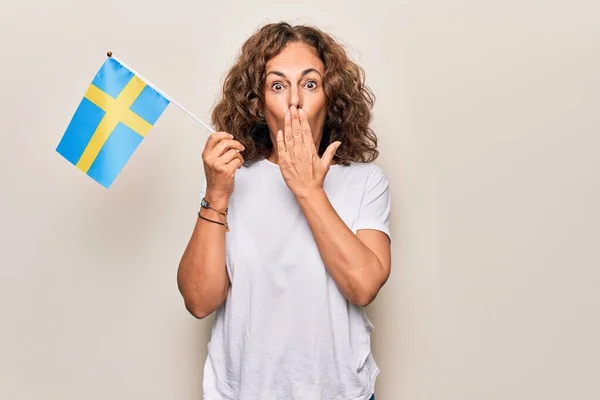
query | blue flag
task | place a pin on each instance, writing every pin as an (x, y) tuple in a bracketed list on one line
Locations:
[(116, 113)]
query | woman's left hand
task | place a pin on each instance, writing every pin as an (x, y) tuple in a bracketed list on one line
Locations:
[(299, 161)]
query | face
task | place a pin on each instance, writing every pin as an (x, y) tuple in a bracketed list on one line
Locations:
[(295, 77)]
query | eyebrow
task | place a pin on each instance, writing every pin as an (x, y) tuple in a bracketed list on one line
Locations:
[(305, 72)]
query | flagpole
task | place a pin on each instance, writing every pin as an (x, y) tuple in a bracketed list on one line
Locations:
[(110, 54)]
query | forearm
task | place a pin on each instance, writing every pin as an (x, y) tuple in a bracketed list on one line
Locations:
[(352, 265), (202, 275)]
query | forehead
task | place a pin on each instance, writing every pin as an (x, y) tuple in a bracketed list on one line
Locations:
[(296, 56)]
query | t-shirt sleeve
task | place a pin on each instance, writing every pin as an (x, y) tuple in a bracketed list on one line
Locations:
[(375, 207)]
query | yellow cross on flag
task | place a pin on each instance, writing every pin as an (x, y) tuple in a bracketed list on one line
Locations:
[(115, 114)]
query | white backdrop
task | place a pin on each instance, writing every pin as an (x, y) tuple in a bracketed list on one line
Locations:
[(488, 118)]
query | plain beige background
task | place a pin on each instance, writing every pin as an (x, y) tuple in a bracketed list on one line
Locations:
[(489, 124)]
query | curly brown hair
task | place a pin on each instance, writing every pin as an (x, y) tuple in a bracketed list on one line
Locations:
[(349, 100)]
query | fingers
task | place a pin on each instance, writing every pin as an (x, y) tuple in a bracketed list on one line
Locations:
[(228, 157), (221, 157), (330, 153), (280, 146), (235, 164), (223, 146), (296, 127), (214, 139), (297, 133), (307, 137), (288, 134)]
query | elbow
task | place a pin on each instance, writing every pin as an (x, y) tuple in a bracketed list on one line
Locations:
[(361, 293), (200, 314), (201, 303), (197, 311), (364, 290), (363, 298), (202, 306)]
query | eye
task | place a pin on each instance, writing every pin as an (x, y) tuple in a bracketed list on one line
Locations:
[(277, 86), (311, 85)]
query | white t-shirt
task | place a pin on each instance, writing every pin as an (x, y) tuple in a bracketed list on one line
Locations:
[(285, 332)]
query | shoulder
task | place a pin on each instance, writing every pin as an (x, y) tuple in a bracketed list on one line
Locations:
[(371, 172)]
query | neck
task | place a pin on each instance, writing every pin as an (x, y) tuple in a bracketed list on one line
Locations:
[(273, 158)]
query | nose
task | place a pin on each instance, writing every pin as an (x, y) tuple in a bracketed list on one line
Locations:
[(295, 98)]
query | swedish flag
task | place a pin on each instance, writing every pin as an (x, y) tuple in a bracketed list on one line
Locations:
[(115, 114)]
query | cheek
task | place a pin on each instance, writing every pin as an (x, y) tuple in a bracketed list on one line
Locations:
[(315, 106), (276, 106), (316, 112)]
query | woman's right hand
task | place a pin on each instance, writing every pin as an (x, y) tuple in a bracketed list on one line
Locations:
[(222, 158)]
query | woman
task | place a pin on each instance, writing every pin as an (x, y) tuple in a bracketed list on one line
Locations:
[(289, 254)]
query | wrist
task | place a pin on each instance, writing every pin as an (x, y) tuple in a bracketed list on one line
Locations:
[(308, 194), (218, 200)]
